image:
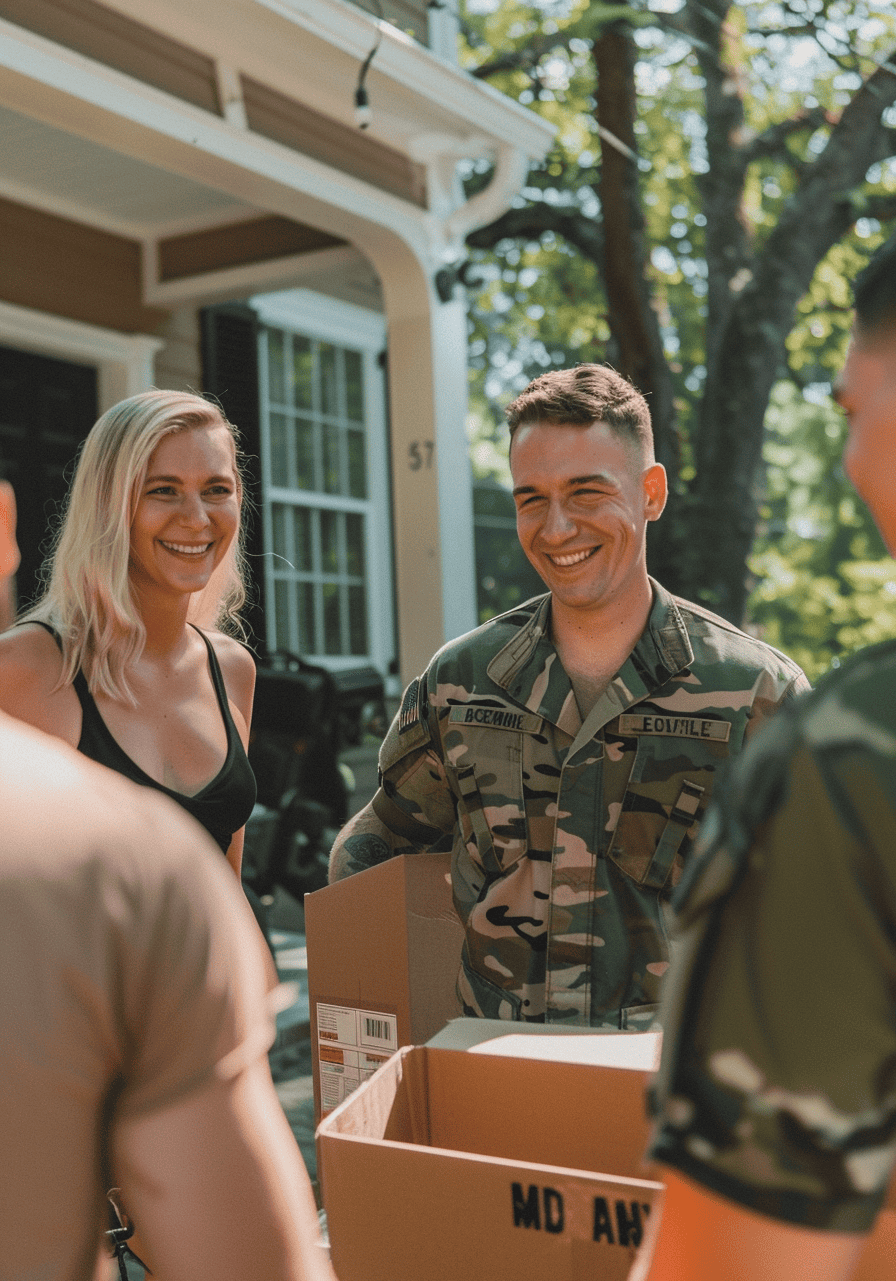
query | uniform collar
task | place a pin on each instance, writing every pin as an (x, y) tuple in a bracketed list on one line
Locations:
[(529, 668)]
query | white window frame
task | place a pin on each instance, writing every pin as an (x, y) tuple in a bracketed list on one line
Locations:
[(326, 319)]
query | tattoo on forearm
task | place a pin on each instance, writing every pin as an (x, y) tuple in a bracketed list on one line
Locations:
[(365, 850)]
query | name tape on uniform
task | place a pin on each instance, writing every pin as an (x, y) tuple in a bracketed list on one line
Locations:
[(676, 727), (495, 718)]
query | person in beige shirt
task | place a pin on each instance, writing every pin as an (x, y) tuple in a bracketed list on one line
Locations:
[(134, 1025)]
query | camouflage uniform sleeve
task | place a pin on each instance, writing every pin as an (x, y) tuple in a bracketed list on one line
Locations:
[(778, 1083), (769, 698), (414, 800)]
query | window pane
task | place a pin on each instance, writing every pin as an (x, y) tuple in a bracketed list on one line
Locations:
[(275, 365), (307, 619), (329, 379), (304, 434), (278, 525), (279, 451), (282, 612), (357, 620), (354, 387), (357, 465), (332, 469), (332, 631), (354, 545), (303, 371), (304, 555), (329, 542)]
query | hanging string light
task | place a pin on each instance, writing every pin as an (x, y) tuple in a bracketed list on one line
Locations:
[(362, 98)]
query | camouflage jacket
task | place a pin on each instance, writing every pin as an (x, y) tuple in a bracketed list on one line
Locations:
[(568, 836), (777, 1088)]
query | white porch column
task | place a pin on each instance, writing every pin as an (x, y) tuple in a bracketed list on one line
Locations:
[(435, 575), (433, 528), (432, 491)]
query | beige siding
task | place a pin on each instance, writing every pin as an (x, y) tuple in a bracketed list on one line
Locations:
[(257, 240), (119, 42), (53, 264), (179, 364), (290, 122)]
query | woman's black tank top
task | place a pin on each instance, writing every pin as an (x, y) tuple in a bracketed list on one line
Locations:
[(223, 805)]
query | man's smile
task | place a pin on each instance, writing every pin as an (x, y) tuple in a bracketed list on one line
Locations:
[(572, 558)]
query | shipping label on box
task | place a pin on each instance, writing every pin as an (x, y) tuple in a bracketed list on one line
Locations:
[(351, 1045), (383, 955)]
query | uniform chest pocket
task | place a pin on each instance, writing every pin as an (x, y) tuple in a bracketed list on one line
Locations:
[(490, 807), (666, 797)]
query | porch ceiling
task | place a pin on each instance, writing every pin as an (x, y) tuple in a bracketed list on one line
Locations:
[(78, 179)]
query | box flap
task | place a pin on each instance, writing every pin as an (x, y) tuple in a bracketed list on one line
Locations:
[(636, 1051), (357, 939), (461, 1033), (435, 939), (559, 1114)]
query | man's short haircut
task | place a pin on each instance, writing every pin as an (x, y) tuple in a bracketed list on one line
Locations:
[(581, 396), (874, 291)]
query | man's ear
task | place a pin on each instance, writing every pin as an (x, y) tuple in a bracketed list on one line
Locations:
[(9, 551), (656, 491)]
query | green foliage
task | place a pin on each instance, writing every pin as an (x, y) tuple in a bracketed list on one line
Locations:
[(504, 577), (825, 585)]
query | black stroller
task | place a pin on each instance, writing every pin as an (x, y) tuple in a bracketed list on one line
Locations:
[(304, 715)]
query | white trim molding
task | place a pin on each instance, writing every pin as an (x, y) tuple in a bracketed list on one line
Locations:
[(124, 361)]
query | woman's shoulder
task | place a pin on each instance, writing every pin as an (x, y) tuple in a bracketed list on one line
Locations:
[(31, 653), (30, 670)]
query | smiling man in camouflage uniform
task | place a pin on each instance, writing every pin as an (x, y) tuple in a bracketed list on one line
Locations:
[(569, 747), (777, 1094)]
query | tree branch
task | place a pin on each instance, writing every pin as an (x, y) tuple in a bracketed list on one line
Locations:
[(772, 142), (820, 210), (525, 59), (532, 221), (882, 207)]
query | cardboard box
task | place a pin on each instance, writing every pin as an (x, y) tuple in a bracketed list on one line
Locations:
[(464, 1034), (451, 1164), (383, 956)]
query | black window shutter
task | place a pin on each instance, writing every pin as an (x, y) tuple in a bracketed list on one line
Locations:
[(230, 373), (47, 407)]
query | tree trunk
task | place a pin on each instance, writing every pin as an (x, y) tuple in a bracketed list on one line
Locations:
[(701, 546), (637, 342), (749, 327)]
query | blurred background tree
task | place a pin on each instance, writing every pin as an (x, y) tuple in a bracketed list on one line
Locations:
[(721, 172)]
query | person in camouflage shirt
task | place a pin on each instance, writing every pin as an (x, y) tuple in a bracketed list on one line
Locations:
[(568, 749), (776, 1098)]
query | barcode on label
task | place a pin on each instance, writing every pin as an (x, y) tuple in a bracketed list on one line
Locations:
[(379, 1031)]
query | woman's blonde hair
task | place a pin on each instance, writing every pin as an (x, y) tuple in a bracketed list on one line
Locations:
[(88, 598)]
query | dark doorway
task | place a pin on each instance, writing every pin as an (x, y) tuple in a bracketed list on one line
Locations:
[(47, 408)]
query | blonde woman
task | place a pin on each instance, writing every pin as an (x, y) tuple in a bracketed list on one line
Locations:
[(122, 657)]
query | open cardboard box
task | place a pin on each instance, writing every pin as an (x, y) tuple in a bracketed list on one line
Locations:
[(383, 956), (452, 1164)]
